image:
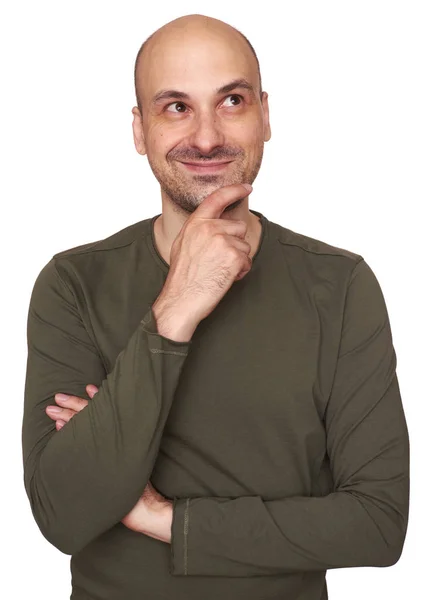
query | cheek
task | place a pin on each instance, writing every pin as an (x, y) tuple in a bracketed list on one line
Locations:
[(156, 142), (159, 142), (249, 132), (252, 144), (257, 131)]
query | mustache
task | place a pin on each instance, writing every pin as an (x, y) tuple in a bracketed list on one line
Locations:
[(189, 154)]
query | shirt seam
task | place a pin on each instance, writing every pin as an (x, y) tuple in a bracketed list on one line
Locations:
[(186, 532), (93, 245), (158, 350), (340, 255)]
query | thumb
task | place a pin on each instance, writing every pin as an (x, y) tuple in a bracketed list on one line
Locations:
[(92, 390), (213, 205)]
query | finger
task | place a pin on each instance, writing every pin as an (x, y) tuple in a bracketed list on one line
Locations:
[(91, 390), (54, 412), (233, 227), (64, 414), (214, 204), (74, 402), (59, 424)]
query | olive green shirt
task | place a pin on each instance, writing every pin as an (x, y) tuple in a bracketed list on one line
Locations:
[(277, 431)]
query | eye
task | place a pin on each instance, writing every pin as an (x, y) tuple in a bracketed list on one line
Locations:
[(176, 103), (235, 96)]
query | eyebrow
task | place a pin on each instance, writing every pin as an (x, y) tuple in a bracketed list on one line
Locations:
[(224, 89)]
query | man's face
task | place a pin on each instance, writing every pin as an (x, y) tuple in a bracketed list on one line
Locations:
[(189, 115)]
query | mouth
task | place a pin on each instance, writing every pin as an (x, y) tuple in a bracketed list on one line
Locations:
[(210, 167)]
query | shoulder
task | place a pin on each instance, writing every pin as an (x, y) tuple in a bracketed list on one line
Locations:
[(332, 271), (87, 264), (293, 239), (344, 269), (119, 239), (316, 262)]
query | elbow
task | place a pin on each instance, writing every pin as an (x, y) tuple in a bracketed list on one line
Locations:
[(388, 558), (59, 533), (393, 553), (383, 528), (58, 530), (392, 549), (64, 541)]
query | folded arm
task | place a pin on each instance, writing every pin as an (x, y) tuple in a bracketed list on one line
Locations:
[(83, 479), (363, 521)]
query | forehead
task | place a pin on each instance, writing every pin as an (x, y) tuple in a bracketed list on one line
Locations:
[(197, 65)]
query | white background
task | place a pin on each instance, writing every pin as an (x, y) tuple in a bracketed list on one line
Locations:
[(347, 164)]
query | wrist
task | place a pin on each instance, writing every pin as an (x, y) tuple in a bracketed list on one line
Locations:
[(171, 322), (166, 522), (160, 523)]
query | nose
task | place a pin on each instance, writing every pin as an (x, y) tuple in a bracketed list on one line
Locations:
[(207, 133)]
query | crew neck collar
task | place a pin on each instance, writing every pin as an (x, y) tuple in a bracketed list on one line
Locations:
[(151, 242)]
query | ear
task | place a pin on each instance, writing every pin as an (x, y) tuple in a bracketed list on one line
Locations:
[(137, 127), (266, 123)]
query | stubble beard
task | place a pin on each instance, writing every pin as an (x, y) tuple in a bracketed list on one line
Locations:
[(186, 193)]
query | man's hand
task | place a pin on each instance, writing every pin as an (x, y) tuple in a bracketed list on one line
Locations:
[(68, 406), (152, 515)]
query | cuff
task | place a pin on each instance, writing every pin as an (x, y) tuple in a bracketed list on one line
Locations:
[(159, 341), (179, 536)]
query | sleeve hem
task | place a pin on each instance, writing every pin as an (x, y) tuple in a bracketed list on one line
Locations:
[(164, 343), (179, 536)]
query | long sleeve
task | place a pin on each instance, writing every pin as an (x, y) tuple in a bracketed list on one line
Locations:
[(363, 522), (84, 478)]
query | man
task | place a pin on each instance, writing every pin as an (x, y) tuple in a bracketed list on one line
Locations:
[(242, 430)]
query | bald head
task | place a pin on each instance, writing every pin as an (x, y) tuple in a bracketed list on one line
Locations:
[(194, 29)]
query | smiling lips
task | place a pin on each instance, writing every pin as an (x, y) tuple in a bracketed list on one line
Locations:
[(210, 167)]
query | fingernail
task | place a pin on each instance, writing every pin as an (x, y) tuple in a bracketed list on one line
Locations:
[(54, 409), (61, 397), (248, 186)]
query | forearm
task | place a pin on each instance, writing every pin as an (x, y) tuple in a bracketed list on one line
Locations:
[(91, 473), (246, 536)]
